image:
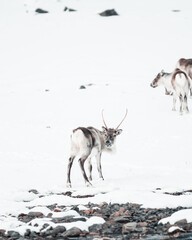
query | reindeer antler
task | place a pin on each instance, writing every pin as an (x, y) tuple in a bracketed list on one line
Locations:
[(104, 120), (123, 119)]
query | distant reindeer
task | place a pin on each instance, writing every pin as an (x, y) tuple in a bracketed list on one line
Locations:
[(177, 83), (89, 142), (186, 66)]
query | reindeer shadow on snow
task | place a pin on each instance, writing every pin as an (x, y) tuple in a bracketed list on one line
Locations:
[(90, 142), (177, 84)]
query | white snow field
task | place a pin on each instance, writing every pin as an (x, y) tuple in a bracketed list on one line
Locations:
[(45, 58)]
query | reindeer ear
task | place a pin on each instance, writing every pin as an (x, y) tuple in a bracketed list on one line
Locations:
[(118, 132), (162, 72), (104, 129)]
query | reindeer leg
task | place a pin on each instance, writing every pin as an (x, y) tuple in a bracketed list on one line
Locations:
[(181, 103), (186, 104), (190, 92), (167, 92), (90, 168), (69, 171), (81, 163), (98, 157), (174, 102)]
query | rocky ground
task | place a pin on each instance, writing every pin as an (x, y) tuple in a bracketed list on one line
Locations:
[(122, 221)]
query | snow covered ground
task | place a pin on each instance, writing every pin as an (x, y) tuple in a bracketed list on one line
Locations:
[(46, 58)]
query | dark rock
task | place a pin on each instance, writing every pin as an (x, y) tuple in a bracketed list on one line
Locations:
[(58, 230), (66, 9), (21, 238), (2, 232), (181, 222), (28, 217), (68, 193), (129, 227), (27, 233), (96, 228), (25, 219), (68, 219), (13, 235), (46, 225), (108, 13), (142, 224), (176, 233), (35, 214), (121, 219), (176, 10), (115, 207), (187, 227), (111, 227), (33, 191), (72, 232), (39, 10), (88, 212), (82, 87)]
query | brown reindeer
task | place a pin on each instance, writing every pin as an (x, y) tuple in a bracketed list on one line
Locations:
[(176, 82), (89, 142), (186, 66)]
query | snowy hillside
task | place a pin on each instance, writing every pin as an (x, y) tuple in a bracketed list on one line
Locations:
[(45, 58)]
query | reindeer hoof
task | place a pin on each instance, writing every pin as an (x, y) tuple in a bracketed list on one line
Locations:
[(68, 185), (88, 184)]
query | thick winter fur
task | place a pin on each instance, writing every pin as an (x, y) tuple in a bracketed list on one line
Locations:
[(89, 142), (186, 66), (176, 82)]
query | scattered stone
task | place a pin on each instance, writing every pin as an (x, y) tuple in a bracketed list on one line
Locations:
[(83, 196), (58, 230), (2, 232), (129, 227), (33, 191), (39, 10), (175, 232), (57, 210), (111, 227), (95, 228), (66, 9), (176, 10), (181, 223), (13, 235), (82, 87), (108, 13), (121, 219), (35, 214), (68, 219), (72, 232), (89, 212)]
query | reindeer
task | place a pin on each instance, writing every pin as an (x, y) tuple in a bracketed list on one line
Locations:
[(186, 66), (89, 142), (176, 82)]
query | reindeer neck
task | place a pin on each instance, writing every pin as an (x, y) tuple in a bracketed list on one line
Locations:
[(167, 81), (166, 78)]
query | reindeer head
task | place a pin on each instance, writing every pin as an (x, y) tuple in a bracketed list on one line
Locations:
[(157, 80), (110, 134)]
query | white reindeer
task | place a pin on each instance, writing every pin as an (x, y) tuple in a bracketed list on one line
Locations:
[(89, 142), (177, 83), (186, 66)]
